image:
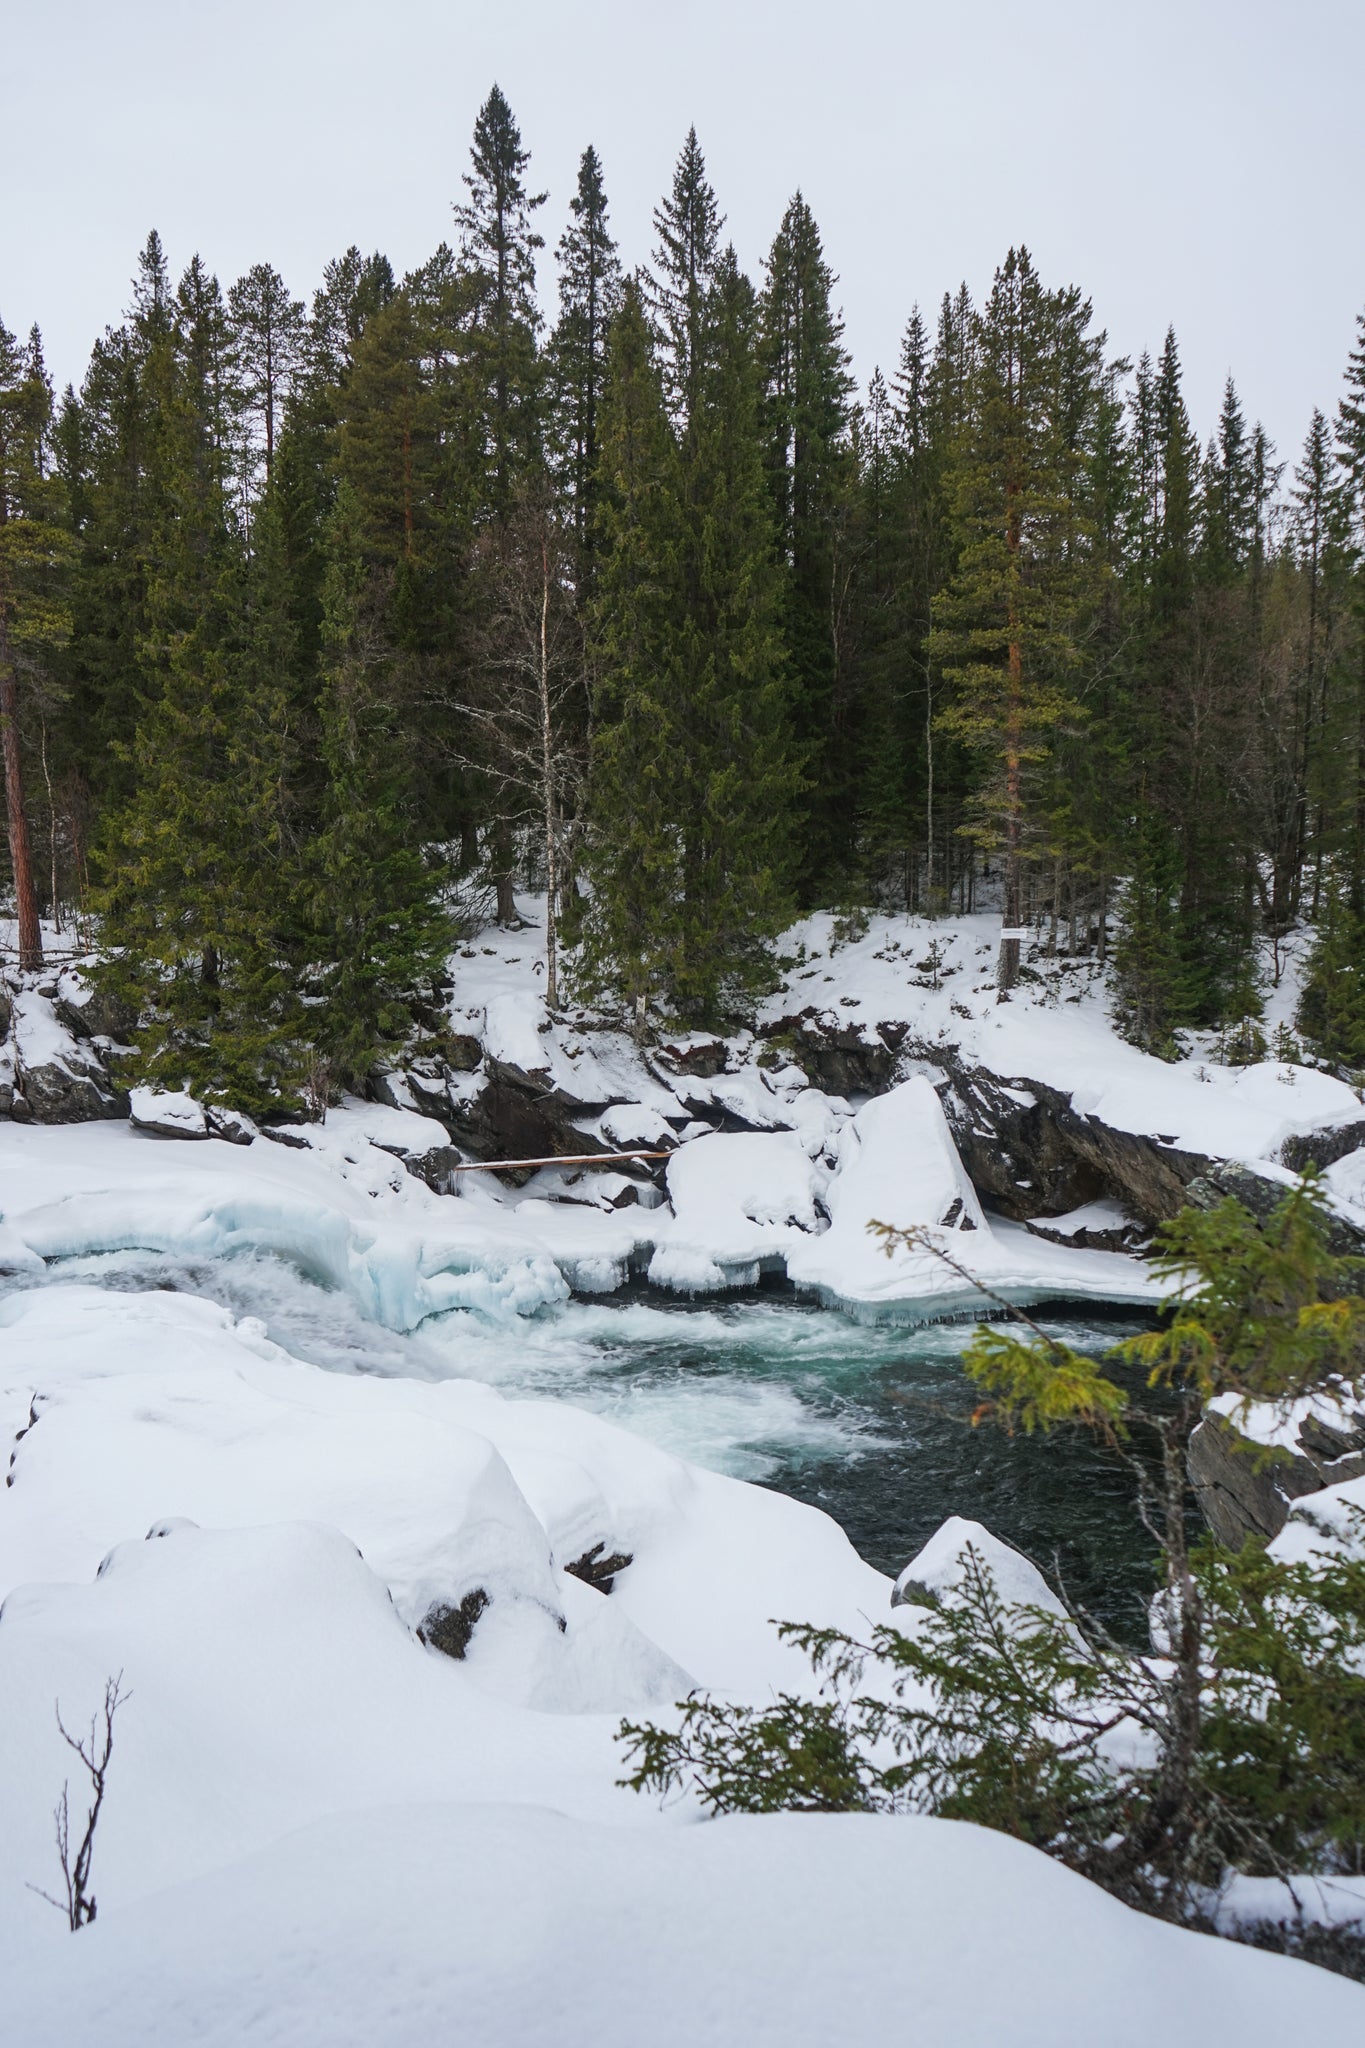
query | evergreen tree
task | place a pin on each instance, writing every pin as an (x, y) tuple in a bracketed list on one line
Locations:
[(688, 224), (199, 892), (640, 742), (378, 934), (268, 333), (498, 255), (1006, 628), (35, 616), (811, 477), (589, 295), (692, 780), (742, 782)]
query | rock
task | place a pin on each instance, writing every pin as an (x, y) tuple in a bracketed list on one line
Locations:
[(6, 1010), (936, 1574), (1241, 1494), (164, 1113), (279, 1134), (1260, 1196), (88, 1010), (1031, 1155), (839, 1056), (598, 1567), (451, 1629), (1321, 1148), (230, 1125), (693, 1054), (71, 1090)]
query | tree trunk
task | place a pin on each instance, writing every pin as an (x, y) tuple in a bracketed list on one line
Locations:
[(21, 860), (1007, 971), (504, 861)]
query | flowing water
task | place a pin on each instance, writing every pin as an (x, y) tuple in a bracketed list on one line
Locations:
[(870, 1423)]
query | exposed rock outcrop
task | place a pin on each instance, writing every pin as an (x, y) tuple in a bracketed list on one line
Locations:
[(1243, 1492), (1030, 1154)]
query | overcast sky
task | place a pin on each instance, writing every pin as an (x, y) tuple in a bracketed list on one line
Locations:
[(1200, 162)]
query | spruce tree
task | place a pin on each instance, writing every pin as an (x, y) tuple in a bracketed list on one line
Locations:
[(688, 224), (498, 256), (199, 878), (743, 780), (811, 476), (589, 295), (378, 934), (640, 743), (35, 617)]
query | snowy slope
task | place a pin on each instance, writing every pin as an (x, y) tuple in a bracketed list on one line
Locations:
[(320, 1832)]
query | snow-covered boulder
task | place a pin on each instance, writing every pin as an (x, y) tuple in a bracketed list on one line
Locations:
[(57, 1079), (936, 1572), (167, 1113)]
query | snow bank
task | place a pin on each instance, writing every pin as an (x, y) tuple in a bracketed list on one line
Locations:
[(523, 1929), (898, 1165)]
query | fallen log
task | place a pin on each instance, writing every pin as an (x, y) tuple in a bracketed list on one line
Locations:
[(560, 1159)]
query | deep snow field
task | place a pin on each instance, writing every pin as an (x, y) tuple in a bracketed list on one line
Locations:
[(322, 1831)]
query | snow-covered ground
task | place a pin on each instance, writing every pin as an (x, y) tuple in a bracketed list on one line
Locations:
[(321, 1829)]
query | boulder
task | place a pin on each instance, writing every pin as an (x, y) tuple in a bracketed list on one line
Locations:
[(167, 1113), (1242, 1491), (1031, 1155), (841, 1057), (70, 1090), (1259, 1194)]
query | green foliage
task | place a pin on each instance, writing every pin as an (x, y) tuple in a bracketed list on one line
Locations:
[(1029, 1721), (692, 783), (1240, 1743), (379, 934), (1332, 1006)]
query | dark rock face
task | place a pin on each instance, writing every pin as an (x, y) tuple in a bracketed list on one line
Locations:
[(598, 1567), (1321, 1148), (1241, 1494), (451, 1629), (73, 1090), (841, 1058), (1030, 1154), (704, 1057), (1225, 1177)]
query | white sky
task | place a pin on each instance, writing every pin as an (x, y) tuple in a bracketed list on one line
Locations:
[(1202, 163)]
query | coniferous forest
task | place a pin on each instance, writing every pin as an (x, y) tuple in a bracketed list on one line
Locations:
[(325, 629)]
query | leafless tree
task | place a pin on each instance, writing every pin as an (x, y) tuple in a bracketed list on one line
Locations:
[(94, 1751), (528, 704)]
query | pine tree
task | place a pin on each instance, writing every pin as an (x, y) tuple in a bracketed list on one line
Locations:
[(811, 478), (379, 936), (1005, 632), (589, 295), (268, 333), (498, 256)]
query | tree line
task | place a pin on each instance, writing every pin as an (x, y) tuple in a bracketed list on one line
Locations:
[(324, 628)]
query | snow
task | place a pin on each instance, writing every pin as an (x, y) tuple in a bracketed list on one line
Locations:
[(167, 1113), (1058, 1031), (939, 1568), (898, 1165), (321, 1830), (522, 1929)]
